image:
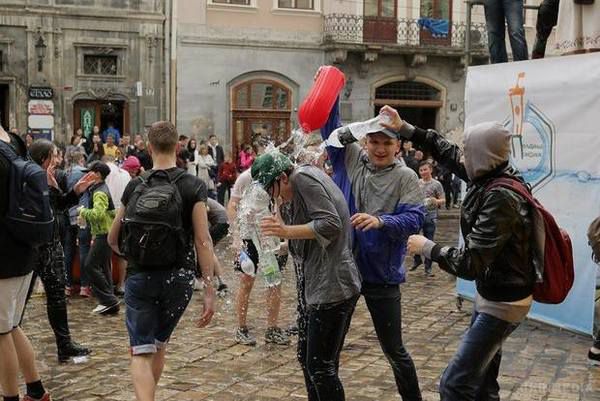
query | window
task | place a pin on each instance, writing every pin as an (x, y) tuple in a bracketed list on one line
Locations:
[(407, 90), (438, 9), (261, 95), (380, 8), (99, 65), (233, 2), (297, 4)]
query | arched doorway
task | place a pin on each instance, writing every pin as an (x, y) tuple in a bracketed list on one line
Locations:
[(417, 102), (260, 108), (87, 113)]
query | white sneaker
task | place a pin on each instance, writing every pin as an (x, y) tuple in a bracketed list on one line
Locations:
[(100, 308)]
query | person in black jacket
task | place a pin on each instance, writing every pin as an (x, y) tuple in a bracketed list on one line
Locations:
[(49, 264), (16, 352), (496, 226)]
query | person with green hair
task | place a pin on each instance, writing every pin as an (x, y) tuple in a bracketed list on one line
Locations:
[(328, 282)]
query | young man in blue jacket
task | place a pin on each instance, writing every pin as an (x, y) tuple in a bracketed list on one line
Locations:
[(386, 205)]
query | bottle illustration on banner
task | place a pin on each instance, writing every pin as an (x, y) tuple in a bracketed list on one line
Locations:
[(533, 143)]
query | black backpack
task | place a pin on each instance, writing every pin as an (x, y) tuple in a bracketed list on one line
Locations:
[(152, 233), (29, 217)]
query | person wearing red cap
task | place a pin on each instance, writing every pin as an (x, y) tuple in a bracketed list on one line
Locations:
[(133, 166)]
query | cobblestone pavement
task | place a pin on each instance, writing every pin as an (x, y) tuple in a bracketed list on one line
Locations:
[(540, 362)]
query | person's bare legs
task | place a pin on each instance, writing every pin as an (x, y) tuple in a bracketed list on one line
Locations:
[(273, 305), (9, 366), (142, 374), (25, 355), (243, 298), (158, 363)]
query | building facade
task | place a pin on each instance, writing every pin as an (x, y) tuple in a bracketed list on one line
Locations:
[(244, 66), (69, 64)]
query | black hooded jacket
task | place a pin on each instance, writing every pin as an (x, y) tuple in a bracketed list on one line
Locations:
[(496, 226)]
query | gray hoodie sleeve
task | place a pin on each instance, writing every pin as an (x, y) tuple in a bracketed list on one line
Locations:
[(320, 209)]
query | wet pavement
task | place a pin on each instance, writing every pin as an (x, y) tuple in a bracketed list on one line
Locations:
[(539, 363)]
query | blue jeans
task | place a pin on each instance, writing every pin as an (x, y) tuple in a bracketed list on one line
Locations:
[(429, 232), (472, 374), (155, 301), (85, 239), (496, 12)]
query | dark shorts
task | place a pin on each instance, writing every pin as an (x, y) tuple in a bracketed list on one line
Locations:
[(155, 301), (252, 253)]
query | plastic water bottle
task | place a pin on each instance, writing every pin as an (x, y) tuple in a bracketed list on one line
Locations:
[(247, 265), (353, 132), (266, 246)]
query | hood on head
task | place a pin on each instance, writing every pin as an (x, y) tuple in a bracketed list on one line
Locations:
[(487, 146)]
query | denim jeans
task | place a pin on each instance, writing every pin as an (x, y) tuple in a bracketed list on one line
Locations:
[(496, 13), (85, 240), (472, 374), (383, 301), (321, 333), (155, 301), (429, 232), (546, 20), (70, 247)]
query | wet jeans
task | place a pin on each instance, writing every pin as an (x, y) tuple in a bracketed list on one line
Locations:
[(472, 374), (50, 268), (321, 333), (429, 232), (496, 13), (383, 302)]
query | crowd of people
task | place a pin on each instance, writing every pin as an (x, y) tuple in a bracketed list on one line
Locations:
[(146, 213)]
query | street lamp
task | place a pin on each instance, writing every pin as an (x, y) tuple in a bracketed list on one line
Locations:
[(40, 51)]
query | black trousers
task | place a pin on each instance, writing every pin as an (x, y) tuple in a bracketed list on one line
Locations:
[(546, 20), (50, 268), (384, 306), (321, 333), (98, 265)]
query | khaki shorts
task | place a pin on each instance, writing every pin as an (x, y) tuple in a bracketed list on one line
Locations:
[(13, 294)]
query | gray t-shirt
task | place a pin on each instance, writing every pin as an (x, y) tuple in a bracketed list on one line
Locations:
[(216, 212), (432, 189), (329, 271)]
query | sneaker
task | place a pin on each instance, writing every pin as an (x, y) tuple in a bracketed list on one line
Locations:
[(68, 291), (222, 289), (46, 397), (85, 292), (197, 285), (243, 336), (70, 350), (429, 274), (594, 358), (275, 335), (107, 309)]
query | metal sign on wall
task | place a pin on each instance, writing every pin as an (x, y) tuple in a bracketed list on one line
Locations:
[(88, 118), (40, 107), (41, 92)]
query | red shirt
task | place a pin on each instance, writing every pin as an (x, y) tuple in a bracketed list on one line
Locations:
[(227, 172)]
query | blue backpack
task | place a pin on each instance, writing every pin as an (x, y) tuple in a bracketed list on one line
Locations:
[(29, 217)]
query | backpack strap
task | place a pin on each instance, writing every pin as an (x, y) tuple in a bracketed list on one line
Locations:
[(514, 185)]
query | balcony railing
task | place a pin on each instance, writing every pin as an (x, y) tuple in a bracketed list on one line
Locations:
[(402, 32)]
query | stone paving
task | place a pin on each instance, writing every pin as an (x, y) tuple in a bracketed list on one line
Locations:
[(540, 362)]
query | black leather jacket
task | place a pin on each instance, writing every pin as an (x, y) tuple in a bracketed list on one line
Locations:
[(496, 226)]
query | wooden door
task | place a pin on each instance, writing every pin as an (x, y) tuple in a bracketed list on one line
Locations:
[(380, 24)]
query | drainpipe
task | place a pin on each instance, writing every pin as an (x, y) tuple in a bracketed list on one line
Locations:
[(166, 62), (173, 62)]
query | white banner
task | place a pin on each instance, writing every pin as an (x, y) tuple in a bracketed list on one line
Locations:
[(552, 106)]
